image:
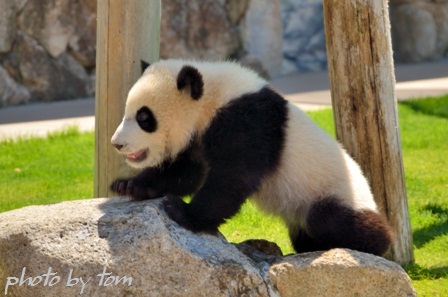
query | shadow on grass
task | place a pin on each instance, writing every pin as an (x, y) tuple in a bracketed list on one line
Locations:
[(427, 234), (435, 106), (417, 272)]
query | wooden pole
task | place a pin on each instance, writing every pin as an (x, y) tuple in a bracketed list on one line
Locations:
[(127, 32), (362, 87)]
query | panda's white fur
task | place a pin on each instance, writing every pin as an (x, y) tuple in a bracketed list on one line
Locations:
[(179, 118), (312, 165), (325, 169)]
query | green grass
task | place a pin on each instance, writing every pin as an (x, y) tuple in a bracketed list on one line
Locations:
[(425, 149), (46, 170), (40, 171), (437, 106)]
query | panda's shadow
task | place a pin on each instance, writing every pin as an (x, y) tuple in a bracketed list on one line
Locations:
[(128, 225), (425, 235)]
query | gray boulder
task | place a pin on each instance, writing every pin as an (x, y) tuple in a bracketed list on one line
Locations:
[(113, 247), (83, 239), (339, 273)]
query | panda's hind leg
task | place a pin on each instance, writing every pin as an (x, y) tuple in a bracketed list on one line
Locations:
[(330, 224)]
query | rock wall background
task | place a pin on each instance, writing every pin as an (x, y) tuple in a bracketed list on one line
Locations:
[(419, 29), (303, 36), (47, 47), (47, 50)]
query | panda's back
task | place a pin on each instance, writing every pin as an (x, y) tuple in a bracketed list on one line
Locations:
[(313, 166)]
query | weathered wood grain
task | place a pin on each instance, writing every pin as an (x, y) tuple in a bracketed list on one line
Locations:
[(362, 87), (127, 31)]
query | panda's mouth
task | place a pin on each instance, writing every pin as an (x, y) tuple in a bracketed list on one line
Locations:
[(137, 156)]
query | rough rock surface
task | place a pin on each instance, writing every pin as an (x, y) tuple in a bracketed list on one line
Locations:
[(262, 34), (50, 78), (56, 25), (48, 47), (339, 273), (7, 25), (126, 239), (197, 29), (11, 93), (50, 248), (303, 36), (419, 29)]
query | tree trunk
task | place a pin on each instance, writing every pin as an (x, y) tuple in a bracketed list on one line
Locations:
[(362, 87), (127, 32)]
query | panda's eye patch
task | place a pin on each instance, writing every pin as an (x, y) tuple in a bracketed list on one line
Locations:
[(146, 120)]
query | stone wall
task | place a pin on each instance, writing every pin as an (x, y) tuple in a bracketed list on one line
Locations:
[(419, 32), (247, 30), (419, 29), (303, 36), (47, 50), (47, 47)]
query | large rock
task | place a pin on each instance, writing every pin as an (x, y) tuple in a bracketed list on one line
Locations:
[(419, 29), (197, 29), (112, 247), (339, 273), (60, 25), (303, 36), (48, 49), (48, 78), (125, 239), (11, 93), (82, 44), (262, 34), (7, 25), (49, 22)]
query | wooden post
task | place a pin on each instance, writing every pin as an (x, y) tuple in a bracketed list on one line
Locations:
[(127, 31), (362, 88)]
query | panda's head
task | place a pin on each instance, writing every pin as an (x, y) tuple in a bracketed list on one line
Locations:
[(162, 113)]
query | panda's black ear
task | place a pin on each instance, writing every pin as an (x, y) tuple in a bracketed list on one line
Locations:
[(189, 77), (144, 65)]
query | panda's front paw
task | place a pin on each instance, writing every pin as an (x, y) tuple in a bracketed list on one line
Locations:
[(122, 187), (128, 187)]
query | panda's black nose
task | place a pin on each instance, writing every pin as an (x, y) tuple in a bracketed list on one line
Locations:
[(118, 146)]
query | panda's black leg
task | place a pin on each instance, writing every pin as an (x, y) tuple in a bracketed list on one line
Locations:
[(219, 199), (331, 224), (303, 243)]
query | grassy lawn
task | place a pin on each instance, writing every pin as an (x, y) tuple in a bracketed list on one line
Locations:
[(41, 171)]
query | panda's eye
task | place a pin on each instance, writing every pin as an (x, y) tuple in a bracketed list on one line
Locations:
[(142, 116), (146, 120)]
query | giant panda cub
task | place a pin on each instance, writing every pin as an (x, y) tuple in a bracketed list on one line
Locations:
[(218, 132)]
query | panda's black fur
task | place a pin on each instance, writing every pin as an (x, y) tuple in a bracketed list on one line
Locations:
[(234, 147)]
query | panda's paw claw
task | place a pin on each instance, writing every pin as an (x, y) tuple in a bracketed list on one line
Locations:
[(128, 187), (122, 187)]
